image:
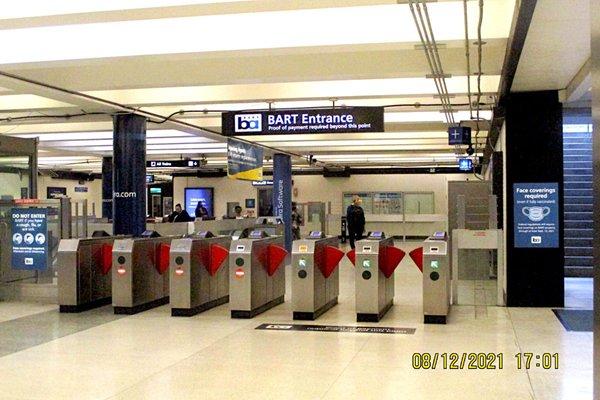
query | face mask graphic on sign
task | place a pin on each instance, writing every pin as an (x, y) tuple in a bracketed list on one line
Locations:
[(536, 214)]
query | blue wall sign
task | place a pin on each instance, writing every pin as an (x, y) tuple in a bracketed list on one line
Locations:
[(194, 195), (81, 189), (536, 216), (30, 238)]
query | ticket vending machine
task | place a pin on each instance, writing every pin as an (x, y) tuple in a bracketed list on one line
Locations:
[(375, 259), (256, 276), (199, 279), (315, 275), (84, 280), (140, 278), (436, 279)]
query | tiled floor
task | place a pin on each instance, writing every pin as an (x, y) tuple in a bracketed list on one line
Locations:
[(209, 356)]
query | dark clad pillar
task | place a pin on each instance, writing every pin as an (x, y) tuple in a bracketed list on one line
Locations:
[(107, 187), (129, 174), (534, 155)]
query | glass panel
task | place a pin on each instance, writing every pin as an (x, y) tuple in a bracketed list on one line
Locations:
[(367, 201), (14, 177), (387, 203), (419, 203), (477, 277)]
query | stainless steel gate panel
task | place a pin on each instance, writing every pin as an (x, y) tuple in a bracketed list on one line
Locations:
[(374, 292), (82, 283), (193, 289), (137, 283), (312, 293), (252, 290)]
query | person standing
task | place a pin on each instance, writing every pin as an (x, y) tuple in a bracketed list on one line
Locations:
[(180, 215), (297, 221), (201, 211), (355, 217)]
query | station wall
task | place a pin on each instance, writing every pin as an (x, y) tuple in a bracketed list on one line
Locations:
[(93, 195), (319, 188)]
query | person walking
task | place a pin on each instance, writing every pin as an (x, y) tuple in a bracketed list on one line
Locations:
[(297, 221), (355, 217)]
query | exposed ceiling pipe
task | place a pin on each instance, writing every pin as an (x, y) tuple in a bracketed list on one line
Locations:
[(425, 31), (118, 107)]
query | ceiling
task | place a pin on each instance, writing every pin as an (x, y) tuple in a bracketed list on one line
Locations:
[(548, 61), (162, 56)]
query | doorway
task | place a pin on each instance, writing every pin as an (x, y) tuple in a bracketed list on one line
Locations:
[(265, 202)]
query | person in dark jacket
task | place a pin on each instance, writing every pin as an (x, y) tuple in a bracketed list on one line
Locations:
[(201, 211), (180, 215), (355, 217)]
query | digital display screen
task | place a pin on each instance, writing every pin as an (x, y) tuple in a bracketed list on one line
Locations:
[(377, 234), (315, 234), (195, 195), (155, 190), (439, 235), (255, 234)]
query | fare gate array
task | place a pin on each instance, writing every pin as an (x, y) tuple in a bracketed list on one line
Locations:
[(315, 275), (198, 273), (84, 280), (140, 278), (375, 259), (256, 281)]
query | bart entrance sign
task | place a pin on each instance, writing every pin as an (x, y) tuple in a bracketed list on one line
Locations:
[(330, 120)]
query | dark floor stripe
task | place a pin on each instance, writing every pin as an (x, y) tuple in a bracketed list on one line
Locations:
[(575, 320), (33, 330)]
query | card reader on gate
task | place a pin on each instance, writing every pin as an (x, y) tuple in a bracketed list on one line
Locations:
[(438, 236), (316, 235), (257, 235), (376, 235)]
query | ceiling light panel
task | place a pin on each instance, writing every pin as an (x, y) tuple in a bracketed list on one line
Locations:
[(39, 8), (353, 88), (164, 133), (328, 27)]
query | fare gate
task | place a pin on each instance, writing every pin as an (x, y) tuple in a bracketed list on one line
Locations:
[(375, 259), (436, 279), (315, 275), (84, 280), (139, 275), (199, 279), (256, 279)]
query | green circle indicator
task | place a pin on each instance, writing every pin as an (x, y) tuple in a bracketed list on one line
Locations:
[(239, 261)]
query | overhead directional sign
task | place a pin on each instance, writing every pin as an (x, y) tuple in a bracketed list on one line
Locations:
[(264, 182), (459, 135), (333, 120), (173, 164)]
